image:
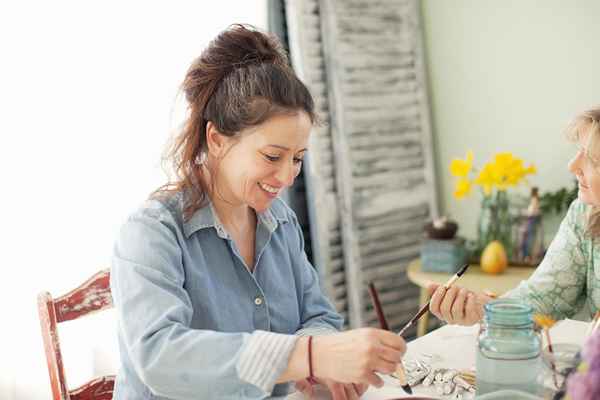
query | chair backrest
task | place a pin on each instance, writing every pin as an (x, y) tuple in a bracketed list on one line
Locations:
[(91, 296)]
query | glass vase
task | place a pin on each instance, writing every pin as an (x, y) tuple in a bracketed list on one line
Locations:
[(495, 222)]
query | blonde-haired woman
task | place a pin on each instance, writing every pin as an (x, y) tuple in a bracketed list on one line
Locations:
[(569, 275)]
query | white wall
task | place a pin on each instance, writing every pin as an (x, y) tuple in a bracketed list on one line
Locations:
[(87, 91), (507, 76)]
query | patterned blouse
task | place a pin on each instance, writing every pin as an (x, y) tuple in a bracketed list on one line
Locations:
[(569, 275)]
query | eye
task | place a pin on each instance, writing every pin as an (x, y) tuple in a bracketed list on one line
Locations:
[(297, 160), (271, 158)]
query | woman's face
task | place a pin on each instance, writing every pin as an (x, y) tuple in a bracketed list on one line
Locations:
[(587, 171), (262, 161)]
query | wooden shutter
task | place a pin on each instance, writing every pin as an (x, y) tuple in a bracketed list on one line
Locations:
[(306, 51), (370, 173)]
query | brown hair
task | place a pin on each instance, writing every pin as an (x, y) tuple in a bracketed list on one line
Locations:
[(589, 121), (240, 80)]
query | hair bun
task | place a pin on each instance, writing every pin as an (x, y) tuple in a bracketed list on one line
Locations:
[(245, 45)]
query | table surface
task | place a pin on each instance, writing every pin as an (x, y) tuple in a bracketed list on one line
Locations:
[(454, 347), (474, 279)]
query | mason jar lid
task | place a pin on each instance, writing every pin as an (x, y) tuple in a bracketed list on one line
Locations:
[(508, 312)]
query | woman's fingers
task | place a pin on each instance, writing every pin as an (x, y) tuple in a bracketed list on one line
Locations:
[(338, 392), (360, 388), (390, 355), (351, 392), (446, 305), (432, 287), (392, 341), (385, 367), (374, 380), (471, 310), (305, 387), (458, 306), (436, 301)]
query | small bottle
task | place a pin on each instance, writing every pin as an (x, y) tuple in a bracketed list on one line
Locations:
[(508, 354)]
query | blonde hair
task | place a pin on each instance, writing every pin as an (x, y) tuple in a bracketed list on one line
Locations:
[(589, 122)]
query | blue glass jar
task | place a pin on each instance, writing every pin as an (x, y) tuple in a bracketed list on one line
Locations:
[(508, 354)]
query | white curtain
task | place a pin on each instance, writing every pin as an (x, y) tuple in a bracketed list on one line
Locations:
[(87, 102)]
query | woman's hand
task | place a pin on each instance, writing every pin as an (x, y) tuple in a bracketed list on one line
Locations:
[(456, 305), (354, 356), (338, 391)]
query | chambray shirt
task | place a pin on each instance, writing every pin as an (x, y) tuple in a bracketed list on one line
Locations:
[(193, 321)]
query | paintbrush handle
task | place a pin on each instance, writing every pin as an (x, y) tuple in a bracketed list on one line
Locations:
[(425, 307), (594, 323), (377, 305)]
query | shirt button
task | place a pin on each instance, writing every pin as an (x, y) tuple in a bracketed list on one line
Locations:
[(258, 301)]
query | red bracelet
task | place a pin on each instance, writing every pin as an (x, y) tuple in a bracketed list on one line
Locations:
[(311, 378)]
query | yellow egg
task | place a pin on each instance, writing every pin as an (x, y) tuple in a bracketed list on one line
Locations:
[(493, 259)]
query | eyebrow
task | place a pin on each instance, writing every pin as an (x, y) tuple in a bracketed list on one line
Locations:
[(283, 147)]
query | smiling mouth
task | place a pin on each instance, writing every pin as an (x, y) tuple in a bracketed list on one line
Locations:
[(273, 191)]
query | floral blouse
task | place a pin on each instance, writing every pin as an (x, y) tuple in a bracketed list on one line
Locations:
[(569, 274)]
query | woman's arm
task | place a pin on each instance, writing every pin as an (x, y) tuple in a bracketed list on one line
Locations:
[(557, 287)]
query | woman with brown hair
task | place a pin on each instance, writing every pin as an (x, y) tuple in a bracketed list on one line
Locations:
[(214, 294), (569, 275)]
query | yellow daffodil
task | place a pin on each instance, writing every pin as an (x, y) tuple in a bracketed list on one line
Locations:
[(463, 188), (485, 179), (531, 170), (504, 171), (544, 321), (461, 168)]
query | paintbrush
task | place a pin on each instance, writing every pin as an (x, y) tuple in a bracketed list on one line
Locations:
[(425, 306), (594, 324), (400, 372)]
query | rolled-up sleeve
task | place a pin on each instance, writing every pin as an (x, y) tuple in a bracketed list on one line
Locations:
[(318, 316), (154, 315)]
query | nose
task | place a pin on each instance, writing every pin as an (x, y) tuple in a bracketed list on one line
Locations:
[(286, 174)]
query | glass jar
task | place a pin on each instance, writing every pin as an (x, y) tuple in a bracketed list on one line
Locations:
[(556, 366), (508, 354)]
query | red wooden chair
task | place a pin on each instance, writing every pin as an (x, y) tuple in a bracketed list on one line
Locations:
[(93, 295)]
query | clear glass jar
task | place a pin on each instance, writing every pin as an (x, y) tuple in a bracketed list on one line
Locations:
[(556, 366), (508, 354)]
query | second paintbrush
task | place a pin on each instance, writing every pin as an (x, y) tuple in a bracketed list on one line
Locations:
[(400, 372)]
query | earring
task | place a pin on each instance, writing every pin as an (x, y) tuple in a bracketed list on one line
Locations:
[(201, 159)]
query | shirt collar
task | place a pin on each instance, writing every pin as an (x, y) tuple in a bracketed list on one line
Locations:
[(206, 217)]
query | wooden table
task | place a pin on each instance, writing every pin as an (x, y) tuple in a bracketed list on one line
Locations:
[(474, 279)]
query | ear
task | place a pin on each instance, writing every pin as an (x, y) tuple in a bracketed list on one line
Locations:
[(215, 141)]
